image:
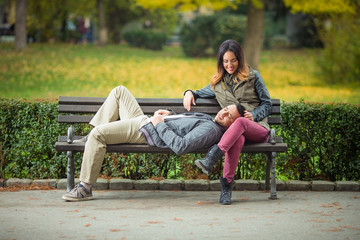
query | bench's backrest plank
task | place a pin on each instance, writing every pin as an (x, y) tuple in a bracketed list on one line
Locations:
[(82, 109)]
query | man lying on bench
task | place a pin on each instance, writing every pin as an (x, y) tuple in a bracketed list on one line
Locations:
[(121, 120)]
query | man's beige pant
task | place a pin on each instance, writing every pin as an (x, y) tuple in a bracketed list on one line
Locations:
[(117, 121)]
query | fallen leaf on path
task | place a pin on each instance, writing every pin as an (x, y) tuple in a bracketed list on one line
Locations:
[(318, 220), (333, 229), (154, 222), (326, 205), (88, 225), (351, 227), (25, 188)]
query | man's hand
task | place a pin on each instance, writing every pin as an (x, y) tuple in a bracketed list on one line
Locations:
[(188, 100), (159, 116), (156, 119), (248, 115)]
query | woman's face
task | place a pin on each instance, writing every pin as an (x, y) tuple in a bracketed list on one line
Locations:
[(230, 62)]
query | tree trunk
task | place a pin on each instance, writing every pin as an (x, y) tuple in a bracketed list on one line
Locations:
[(254, 35), (103, 38), (20, 24)]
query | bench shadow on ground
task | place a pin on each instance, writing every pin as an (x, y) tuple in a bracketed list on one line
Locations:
[(238, 197)]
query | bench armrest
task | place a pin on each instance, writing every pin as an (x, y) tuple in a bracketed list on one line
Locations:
[(272, 136), (70, 133)]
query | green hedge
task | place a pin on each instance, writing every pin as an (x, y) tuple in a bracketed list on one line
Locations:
[(28, 131), (148, 39), (323, 142)]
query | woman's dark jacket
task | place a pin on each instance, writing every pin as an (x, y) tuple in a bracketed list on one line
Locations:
[(252, 94)]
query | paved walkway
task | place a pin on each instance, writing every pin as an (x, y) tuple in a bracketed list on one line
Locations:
[(180, 215)]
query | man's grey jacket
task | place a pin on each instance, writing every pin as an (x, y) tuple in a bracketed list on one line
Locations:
[(184, 133)]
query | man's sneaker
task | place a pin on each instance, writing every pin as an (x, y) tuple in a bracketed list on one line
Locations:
[(81, 140), (78, 193)]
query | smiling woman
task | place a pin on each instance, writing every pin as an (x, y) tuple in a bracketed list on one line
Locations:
[(48, 71), (230, 62)]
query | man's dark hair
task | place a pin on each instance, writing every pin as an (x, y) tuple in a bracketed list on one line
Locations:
[(240, 109)]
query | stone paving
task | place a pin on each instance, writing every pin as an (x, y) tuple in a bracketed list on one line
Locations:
[(180, 215)]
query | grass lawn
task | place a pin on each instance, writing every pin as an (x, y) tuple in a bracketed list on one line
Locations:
[(51, 70)]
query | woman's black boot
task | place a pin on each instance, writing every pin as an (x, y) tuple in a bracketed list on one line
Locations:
[(225, 197), (212, 157)]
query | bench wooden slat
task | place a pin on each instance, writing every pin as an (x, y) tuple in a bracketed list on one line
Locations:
[(64, 100), (144, 148), (84, 109), (272, 120), (141, 101), (212, 110), (64, 139)]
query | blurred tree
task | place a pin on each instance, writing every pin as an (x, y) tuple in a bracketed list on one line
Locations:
[(103, 36), (322, 6), (339, 28), (45, 18), (255, 25), (118, 14), (20, 24), (254, 35)]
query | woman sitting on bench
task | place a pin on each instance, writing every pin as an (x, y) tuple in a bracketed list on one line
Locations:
[(234, 83)]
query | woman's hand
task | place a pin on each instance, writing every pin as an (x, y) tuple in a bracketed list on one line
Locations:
[(188, 100), (248, 115)]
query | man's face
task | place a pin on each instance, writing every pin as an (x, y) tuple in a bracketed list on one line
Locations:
[(227, 116)]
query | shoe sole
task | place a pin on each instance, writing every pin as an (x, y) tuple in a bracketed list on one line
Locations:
[(69, 199), (199, 165)]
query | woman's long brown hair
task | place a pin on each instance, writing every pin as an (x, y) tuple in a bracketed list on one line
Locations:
[(242, 72)]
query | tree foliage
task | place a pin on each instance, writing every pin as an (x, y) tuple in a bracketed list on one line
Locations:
[(321, 6), (45, 17), (184, 5), (338, 25)]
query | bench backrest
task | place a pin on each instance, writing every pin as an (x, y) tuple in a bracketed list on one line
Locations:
[(82, 109)]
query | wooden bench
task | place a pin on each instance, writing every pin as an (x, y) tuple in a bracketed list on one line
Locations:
[(75, 110)]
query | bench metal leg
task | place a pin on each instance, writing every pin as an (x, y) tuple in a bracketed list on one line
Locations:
[(273, 194), (70, 171), (268, 168)]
